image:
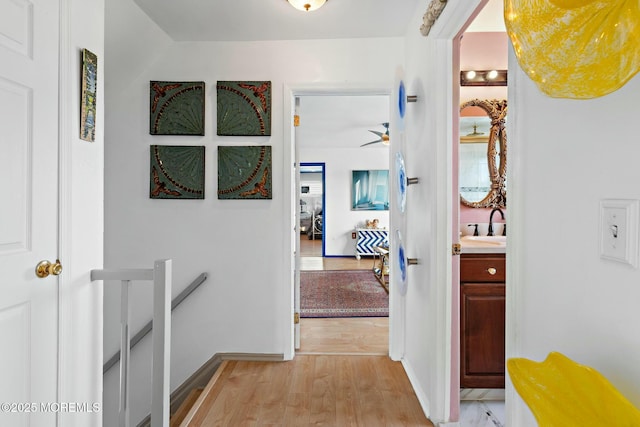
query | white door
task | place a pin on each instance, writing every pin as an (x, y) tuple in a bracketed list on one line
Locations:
[(28, 211)]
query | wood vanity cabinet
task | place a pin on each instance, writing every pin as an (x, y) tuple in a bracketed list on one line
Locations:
[(482, 320)]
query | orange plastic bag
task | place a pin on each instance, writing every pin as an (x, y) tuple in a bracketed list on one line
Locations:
[(576, 49)]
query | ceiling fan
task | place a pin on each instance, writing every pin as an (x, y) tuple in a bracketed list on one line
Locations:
[(383, 137)]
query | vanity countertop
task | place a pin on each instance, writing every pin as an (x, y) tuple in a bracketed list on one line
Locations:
[(483, 244)]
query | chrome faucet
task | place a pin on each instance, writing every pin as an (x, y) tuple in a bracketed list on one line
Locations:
[(490, 232)]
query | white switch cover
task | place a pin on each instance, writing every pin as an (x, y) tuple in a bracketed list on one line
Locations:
[(619, 231)]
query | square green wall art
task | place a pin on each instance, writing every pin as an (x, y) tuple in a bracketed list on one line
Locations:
[(244, 172), (177, 172), (244, 108), (176, 108)]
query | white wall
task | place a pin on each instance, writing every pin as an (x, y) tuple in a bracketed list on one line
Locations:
[(565, 157), (340, 220), (418, 227), (239, 309), (82, 241)]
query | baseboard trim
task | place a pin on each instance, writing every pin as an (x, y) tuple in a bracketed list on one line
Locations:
[(417, 389), (205, 373), (252, 357)]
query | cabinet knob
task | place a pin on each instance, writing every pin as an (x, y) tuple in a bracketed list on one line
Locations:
[(491, 271)]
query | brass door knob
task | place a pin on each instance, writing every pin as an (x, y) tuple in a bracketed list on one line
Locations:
[(45, 268)]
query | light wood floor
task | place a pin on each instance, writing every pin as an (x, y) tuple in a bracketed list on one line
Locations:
[(330, 390), (355, 335), (311, 258), (310, 247), (341, 375), (319, 263)]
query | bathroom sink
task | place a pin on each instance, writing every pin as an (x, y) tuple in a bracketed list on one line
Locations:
[(491, 240)]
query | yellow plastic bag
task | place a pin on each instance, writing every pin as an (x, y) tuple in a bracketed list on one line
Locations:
[(576, 48), (563, 393)]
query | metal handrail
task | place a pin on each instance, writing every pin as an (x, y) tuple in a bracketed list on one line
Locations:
[(149, 326), (160, 386)]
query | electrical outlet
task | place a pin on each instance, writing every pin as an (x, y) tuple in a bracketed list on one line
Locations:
[(619, 231), (353, 235)]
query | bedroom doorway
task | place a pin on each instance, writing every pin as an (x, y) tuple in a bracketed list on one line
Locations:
[(312, 200), (325, 246)]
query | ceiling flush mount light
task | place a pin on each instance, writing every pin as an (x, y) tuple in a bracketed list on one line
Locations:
[(483, 78), (307, 5)]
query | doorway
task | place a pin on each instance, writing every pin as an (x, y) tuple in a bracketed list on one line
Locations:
[(483, 45), (312, 200), (324, 219)]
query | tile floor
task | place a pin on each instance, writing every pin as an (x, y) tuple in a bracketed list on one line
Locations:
[(482, 408), (482, 413)]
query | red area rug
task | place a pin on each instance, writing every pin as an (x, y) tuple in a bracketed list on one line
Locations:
[(342, 294)]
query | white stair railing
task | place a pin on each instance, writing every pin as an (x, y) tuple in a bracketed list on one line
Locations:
[(161, 336), (113, 360)]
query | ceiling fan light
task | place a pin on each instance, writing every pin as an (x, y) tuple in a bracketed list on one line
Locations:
[(307, 5)]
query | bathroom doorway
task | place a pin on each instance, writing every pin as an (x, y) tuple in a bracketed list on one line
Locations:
[(482, 46)]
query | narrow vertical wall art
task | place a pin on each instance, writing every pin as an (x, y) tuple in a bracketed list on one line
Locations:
[(88, 96), (244, 108), (177, 172), (176, 108), (244, 172)]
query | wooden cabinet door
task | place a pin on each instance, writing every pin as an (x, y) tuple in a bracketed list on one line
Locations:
[(482, 317)]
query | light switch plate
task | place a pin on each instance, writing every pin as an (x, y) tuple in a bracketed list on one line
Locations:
[(619, 231)]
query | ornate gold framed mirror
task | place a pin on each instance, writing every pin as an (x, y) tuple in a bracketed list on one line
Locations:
[(483, 153)]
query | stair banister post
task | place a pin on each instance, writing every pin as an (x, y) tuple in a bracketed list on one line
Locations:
[(123, 406), (161, 335)]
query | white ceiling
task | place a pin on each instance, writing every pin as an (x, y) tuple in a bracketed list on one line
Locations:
[(249, 20), (490, 18), (337, 121)]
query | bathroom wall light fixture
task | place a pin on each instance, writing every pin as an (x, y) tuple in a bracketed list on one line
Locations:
[(307, 5), (483, 78)]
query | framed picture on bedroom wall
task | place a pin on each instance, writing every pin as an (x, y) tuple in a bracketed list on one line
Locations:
[(370, 190)]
